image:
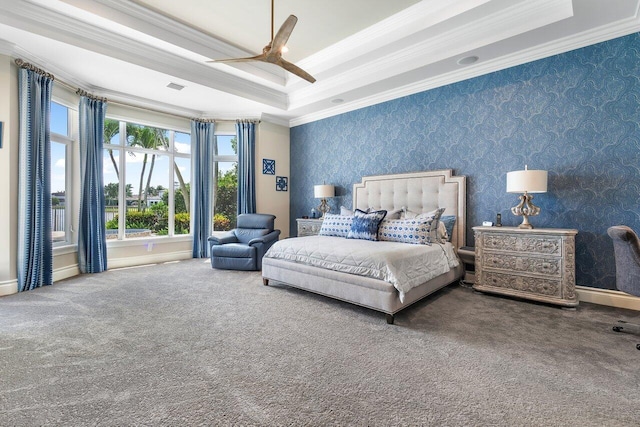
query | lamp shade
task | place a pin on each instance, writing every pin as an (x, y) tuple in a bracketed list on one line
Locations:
[(323, 191), (530, 181)]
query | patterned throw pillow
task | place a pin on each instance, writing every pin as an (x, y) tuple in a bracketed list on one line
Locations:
[(336, 225), (415, 231), (365, 225), (434, 235)]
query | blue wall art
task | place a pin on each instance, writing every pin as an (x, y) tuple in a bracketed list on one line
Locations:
[(282, 183), (268, 167), (575, 115)]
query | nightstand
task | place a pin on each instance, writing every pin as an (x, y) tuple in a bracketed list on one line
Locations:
[(536, 264), (308, 226)]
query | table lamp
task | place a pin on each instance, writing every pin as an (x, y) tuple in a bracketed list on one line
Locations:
[(526, 181), (323, 192)]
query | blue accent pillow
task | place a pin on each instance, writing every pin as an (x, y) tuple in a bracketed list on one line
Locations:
[(336, 225), (449, 222), (365, 225)]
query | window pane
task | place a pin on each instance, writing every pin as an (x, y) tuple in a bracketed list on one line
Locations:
[(226, 145), (58, 191), (147, 210), (182, 200), (147, 137), (182, 142), (112, 132), (59, 119), (111, 191), (225, 195)]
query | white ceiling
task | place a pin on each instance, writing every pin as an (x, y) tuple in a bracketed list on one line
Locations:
[(361, 52)]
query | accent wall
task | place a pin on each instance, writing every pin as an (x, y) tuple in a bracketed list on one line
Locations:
[(575, 115)]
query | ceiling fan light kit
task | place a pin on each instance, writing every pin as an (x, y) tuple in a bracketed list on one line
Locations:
[(272, 53)]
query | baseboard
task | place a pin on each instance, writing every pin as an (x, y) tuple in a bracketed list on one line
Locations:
[(65, 272), (148, 259), (8, 287), (608, 297)]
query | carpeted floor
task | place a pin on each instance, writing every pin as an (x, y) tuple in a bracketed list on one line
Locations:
[(182, 344)]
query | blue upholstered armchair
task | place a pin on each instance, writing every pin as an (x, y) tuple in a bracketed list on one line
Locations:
[(626, 249), (243, 247)]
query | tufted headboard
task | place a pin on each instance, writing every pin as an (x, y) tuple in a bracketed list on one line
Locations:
[(418, 192)]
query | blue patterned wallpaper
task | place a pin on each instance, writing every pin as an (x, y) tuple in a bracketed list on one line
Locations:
[(576, 115)]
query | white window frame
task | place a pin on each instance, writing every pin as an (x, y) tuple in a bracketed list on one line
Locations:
[(122, 148), (71, 148)]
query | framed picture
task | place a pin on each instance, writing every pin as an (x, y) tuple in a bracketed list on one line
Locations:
[(268, 167), (282, 183), (1, 123)]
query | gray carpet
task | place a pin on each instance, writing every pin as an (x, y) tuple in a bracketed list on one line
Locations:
[(182, 344)]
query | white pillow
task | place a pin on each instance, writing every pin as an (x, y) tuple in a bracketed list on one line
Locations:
[(345, 212)]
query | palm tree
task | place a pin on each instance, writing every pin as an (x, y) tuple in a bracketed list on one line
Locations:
[(111, 129), (151, 138)]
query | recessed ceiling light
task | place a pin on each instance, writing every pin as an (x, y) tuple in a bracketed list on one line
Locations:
[(175, 86), (467, 60), (337, 100)]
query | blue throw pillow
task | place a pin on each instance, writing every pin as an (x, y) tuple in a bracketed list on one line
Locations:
[(449, 222), (365, 225)]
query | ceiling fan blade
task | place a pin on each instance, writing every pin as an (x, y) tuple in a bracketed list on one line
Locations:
[(260, 57), (283, 34), (294, 69)]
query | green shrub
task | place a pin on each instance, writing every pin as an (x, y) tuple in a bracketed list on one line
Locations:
[(221, 222), (181, 223)]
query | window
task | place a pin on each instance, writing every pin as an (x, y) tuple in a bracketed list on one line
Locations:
[(61, 159), (225, 182), (147, 175)]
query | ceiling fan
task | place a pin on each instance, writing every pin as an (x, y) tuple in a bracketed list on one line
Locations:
[(272, 53)]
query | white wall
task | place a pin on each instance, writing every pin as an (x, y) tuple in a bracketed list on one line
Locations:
[(8, 175), (272, 142)]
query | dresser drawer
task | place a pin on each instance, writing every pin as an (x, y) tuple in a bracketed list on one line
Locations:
[(525, 284), (545, 245), (309, 227), (547, 266)]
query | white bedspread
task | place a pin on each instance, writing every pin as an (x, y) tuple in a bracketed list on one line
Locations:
[(403, 265)]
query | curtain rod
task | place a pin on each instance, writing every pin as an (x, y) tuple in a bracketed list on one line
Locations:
[(20, 63)]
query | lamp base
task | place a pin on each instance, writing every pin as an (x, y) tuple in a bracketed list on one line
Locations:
[(323, 208), (525, 208)]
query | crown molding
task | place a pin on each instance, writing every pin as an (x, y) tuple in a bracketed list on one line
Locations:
[(416, 18), (66, 29), (167, 29), (587, 38), (503, 24)]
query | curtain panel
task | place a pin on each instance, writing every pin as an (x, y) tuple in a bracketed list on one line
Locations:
[(246, 134), (202, 147), (92, 244), (35, 245)]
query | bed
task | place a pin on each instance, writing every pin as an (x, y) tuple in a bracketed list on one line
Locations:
[(418, 192)]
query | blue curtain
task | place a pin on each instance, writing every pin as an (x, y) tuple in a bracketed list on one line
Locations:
[(246, 133), (92, 245), (202, 145), (35, 245)]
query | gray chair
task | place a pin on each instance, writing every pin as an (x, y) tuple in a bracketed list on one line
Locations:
[(243, 247), (626, 248)]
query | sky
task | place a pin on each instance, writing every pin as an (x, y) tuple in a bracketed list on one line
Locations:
[(134, 161)]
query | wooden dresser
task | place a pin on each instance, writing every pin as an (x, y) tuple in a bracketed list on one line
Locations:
[(537, 264), (308, 226)]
